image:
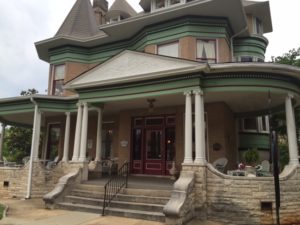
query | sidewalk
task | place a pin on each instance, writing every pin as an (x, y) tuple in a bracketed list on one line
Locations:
[(32, 212)]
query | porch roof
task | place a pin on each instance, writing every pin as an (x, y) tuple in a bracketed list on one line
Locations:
[(20, 110)]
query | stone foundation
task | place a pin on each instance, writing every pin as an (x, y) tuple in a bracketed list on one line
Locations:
[(13, 181)]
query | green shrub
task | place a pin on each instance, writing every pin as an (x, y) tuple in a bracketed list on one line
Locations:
[(2, 208), (251, 157)]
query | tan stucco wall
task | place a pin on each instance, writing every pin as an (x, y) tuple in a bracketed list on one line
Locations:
[(150, 49), (221, 130), (224, 53), (250, 23), (188, 46)]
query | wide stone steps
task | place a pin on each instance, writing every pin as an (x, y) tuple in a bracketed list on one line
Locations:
[(133, 203), (129, 213)]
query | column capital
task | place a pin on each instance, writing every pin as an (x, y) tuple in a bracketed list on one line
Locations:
[(198, 92), (290, 96), (187, 93), (67, 113)]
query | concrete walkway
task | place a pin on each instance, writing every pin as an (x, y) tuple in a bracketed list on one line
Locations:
[(32, 212)]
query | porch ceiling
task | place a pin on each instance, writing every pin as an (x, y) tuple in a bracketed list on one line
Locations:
[(238, 102)]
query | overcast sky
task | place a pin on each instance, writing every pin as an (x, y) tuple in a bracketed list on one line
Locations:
[(24, 22)]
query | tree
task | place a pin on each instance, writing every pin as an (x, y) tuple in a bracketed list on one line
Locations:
[(279, 120), (17, 140)]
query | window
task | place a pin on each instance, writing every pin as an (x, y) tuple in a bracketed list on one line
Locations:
[(171, 49), (58, 81), (160, 4), (107, 140), (173, 2), (206, 51), (257, 26), (249, 59), (246, 59), (255, 124)]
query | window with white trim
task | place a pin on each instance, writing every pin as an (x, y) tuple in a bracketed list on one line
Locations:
[(246, 58), (255, 124), (170, 49), (257, 26), (206, 51), (58, 79)]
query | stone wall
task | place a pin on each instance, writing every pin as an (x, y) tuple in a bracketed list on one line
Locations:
[(13, 181), (251, 200)]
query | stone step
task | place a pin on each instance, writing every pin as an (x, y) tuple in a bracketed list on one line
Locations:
[(116, 204), (129, 213)]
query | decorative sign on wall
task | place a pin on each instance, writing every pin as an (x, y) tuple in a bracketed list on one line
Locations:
[(124, 143)]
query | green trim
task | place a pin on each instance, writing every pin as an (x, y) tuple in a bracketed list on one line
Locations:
[(57, 106), (17, 107), (159, 33), (250, 46), (254, 140), (140, 90), (246, 84)]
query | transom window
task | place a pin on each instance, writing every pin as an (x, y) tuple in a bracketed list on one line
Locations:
[(58, 79), (170, 49), (206, 51)]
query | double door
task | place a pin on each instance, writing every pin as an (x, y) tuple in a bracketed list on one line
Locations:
[(153, 145)]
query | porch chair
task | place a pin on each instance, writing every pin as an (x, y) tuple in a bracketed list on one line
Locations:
[(220, 164), (52, 164), (264, 169), (7, 163)]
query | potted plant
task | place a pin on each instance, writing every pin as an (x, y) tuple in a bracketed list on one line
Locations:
[(251, 157)]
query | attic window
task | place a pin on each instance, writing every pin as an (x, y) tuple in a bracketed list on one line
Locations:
[(257, 26), (173, 2)]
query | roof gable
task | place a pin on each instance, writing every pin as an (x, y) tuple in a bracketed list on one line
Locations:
[(130, 66)]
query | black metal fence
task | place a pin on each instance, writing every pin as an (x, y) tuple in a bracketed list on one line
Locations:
[(114, 185)]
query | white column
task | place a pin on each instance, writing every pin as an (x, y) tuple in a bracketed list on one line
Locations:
[(291, 131), (77, 134), (37, 133), (67, 137), (99, 137), (199, 128), (188, 157), (2, 140), (84, 131)]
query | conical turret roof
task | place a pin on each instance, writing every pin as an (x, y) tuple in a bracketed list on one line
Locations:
[(80, 22), (122, 6)]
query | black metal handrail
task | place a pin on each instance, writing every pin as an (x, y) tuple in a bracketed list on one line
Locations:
[(115, 185)]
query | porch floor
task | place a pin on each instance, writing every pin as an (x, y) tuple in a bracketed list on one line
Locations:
[(139, 182)]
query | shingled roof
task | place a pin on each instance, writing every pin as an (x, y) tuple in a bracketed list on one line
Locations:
[(80, 22), (122, 6)]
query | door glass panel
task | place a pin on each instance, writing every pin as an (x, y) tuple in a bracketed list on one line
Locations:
[(137, 144), (170, 143), (153, 144), (107, 138)]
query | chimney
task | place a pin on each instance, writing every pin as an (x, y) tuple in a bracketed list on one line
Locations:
[(100, 8)]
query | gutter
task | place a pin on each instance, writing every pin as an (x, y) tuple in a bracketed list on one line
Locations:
[(29, 182), (231, 40)]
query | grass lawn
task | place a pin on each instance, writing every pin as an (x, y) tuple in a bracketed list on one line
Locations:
[(1, 211)]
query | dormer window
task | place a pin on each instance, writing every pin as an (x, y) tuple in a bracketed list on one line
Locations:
[(161, 4), (206, 51)]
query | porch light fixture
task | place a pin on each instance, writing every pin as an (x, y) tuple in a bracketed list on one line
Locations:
[(151, 104)]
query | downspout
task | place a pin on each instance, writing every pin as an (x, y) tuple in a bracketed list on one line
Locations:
[(29, 182), (231, 40)]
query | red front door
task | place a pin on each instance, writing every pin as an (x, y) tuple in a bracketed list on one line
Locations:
[(153, 145), (154, 157)]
